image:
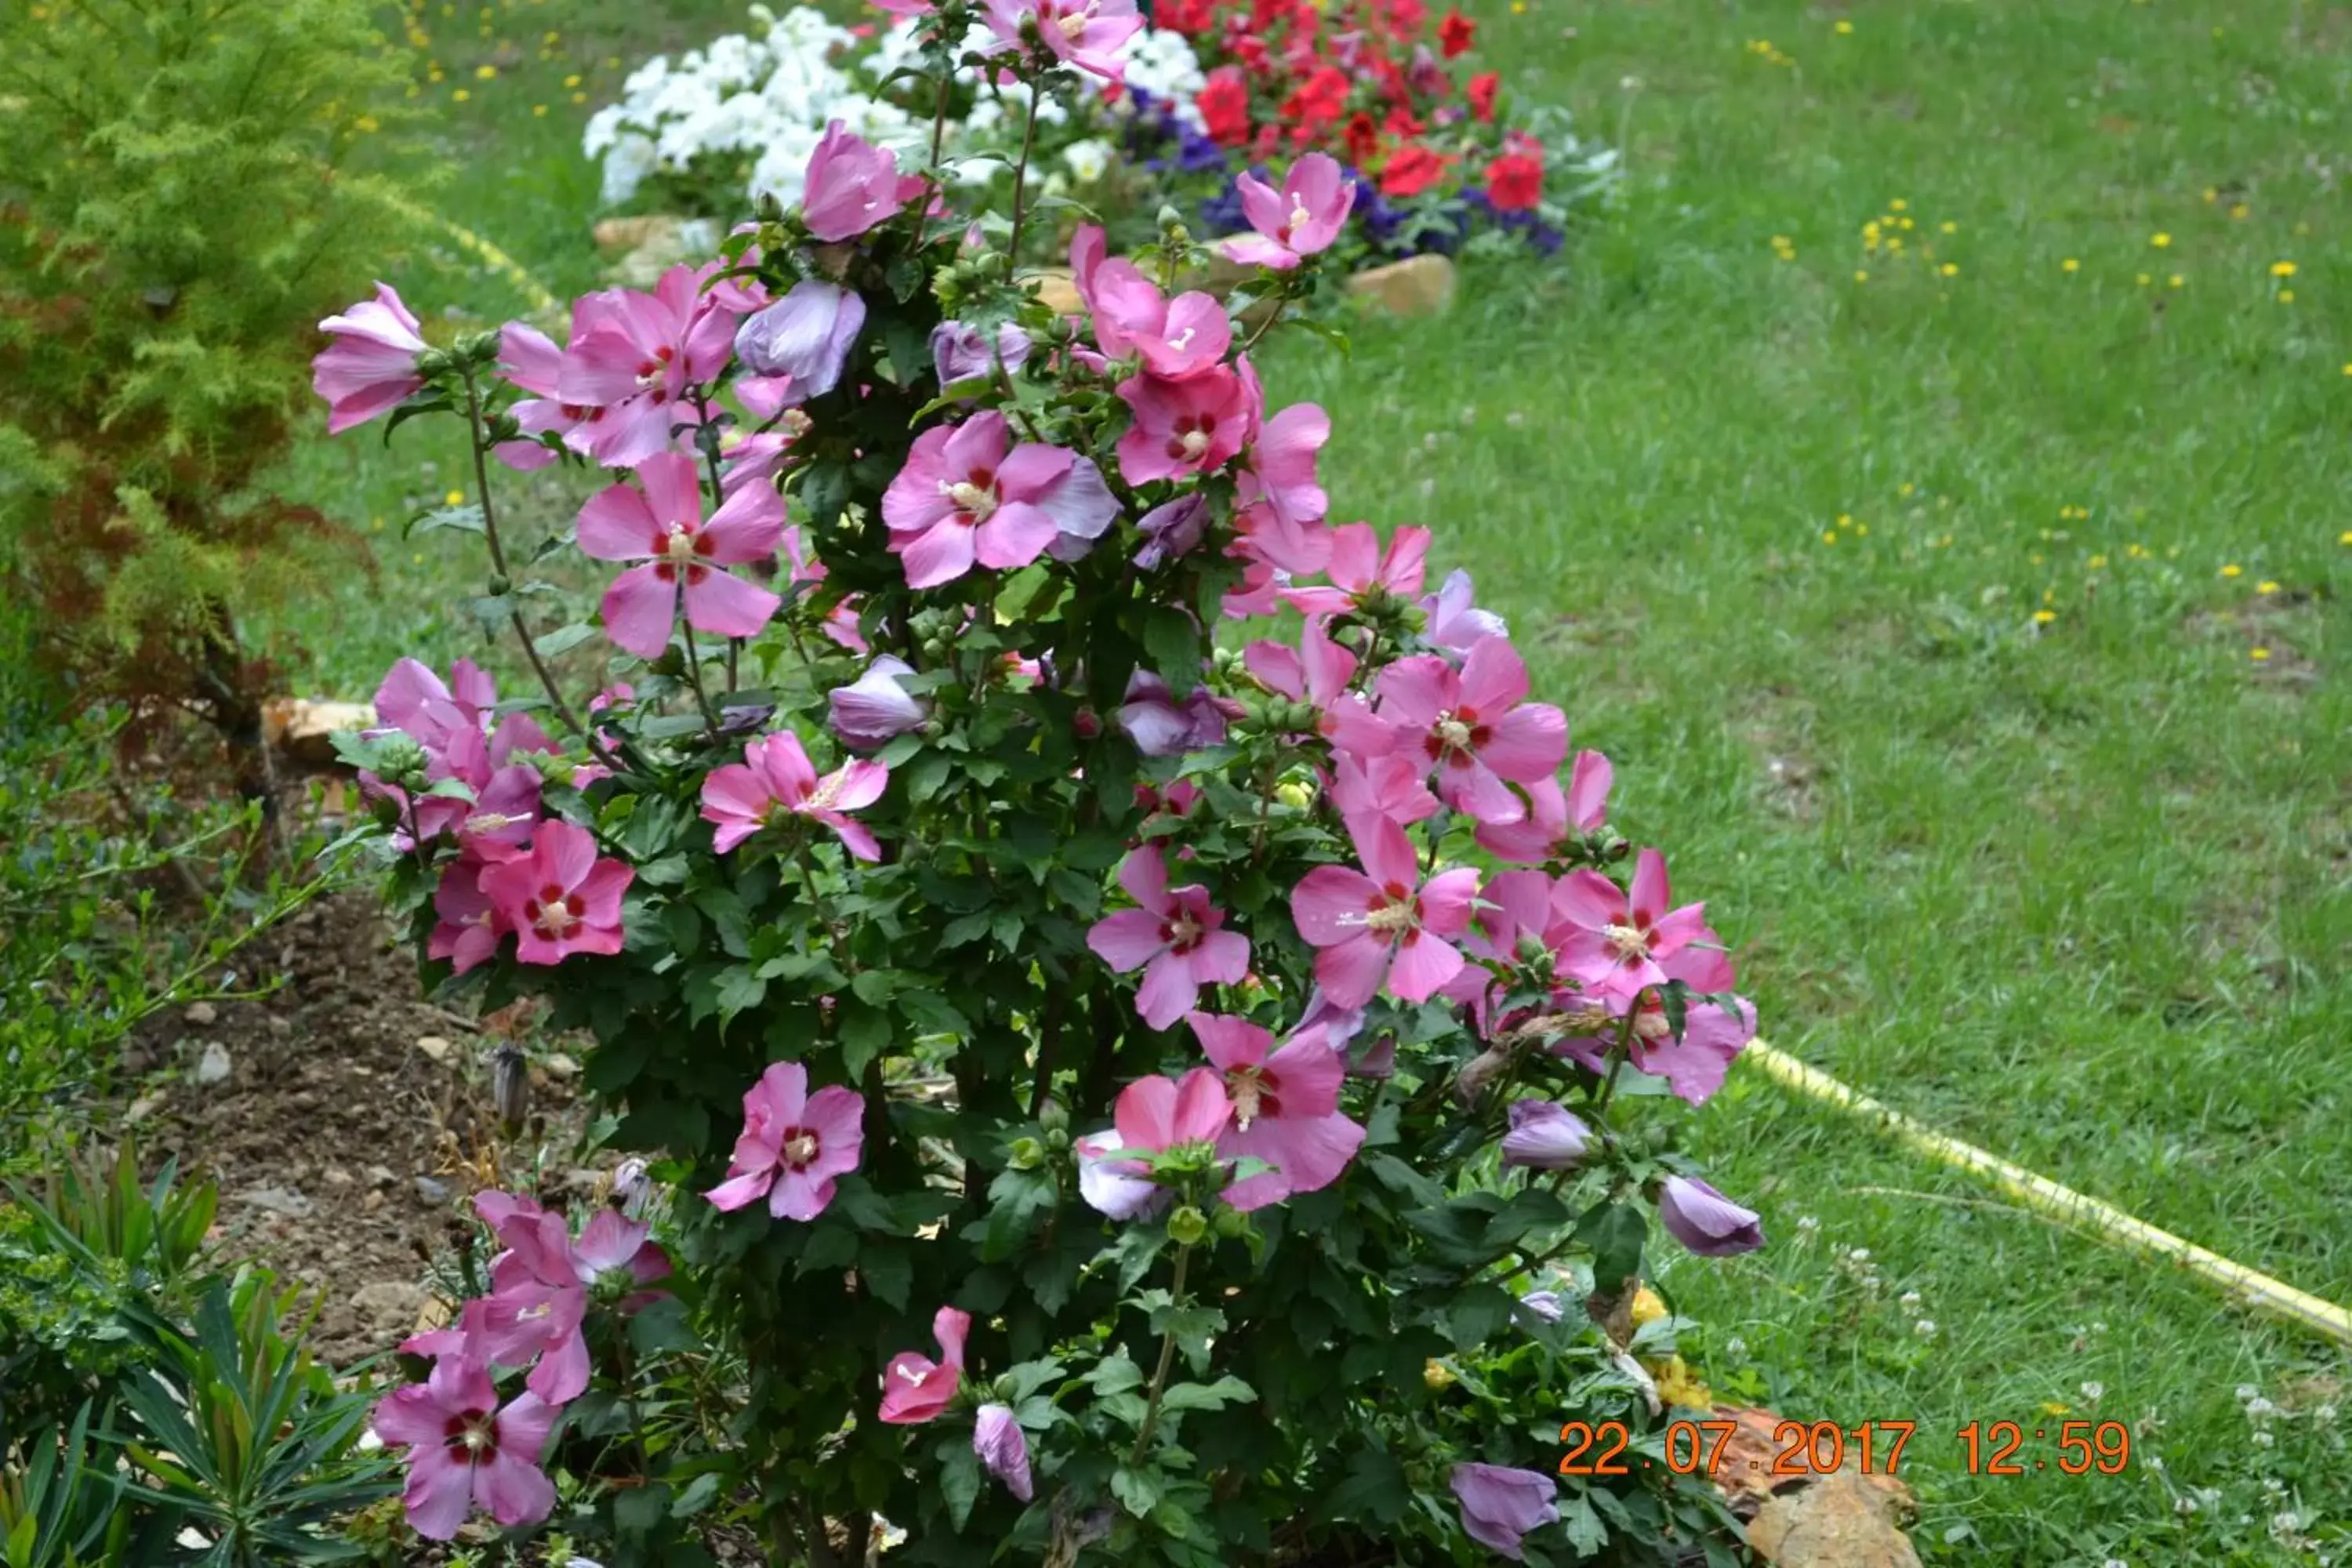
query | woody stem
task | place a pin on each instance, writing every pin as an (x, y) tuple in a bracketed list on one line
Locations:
[(498, 560), (1167, 1358)]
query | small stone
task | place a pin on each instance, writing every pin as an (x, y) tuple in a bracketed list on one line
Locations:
[(431, 1190), (145, 1106), (200, 1014), (371, 1202), (388, 1307), (336, 1176), (433, 1048), (214, 1067), (1417, 286), (380, 1175), (561, 1067), (276, 1200)]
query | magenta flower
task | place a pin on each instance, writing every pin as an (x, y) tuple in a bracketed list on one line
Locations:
[(1392, 786), (1452, 621), (959, 352), (775, 783), (1382, 924), (370, 366), (1087, 34), (529, 358), (1545, 1136), (1172, 529), (1176, 338), (962, 498), (1705, 1221), (413, 701), (1176, 938), (636, 356), (662, 526), (450, 726), (1191, 427), (559, 897), (539, 1285), (1475, 728), (1153, 1116), (852, 185), (468, 926), (1499, 1505), (914, 1388), (1614, 940), (1695, 1066), (1280, 493), (1319, 672), (1297, 221), (875, 708), (1286, 1109), (804, 337), (1003, 1448), (1362, 573), (1162, 727), (1554, 817), (792, 1145), (464, 1450)]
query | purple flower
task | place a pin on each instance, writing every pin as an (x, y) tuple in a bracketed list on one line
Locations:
[(371, 365), (1545, 1304), (1544, 1136), (1499, 1505), (875, 708), (998, 1440), (1705, 1220), (1160, 726), (805, 335), (852, 185), (961, 353), (1173, 529), (1453, 621)]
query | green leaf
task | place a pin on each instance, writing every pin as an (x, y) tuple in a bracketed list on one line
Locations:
[(739, 990), (1114, 1374), (637, 1510), (889, 1274), (563, 639), (1172, 644), (959, 1480), (1207, 1395), (1137, 1490), (864, 1035), (466, 517), (1013, 600), (1373, 1491), (1586, 1534), (698, 1495), (1615, 1233), (1475, 1314)]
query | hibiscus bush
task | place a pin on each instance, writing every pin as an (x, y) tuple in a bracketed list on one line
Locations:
[(1134, 1036)]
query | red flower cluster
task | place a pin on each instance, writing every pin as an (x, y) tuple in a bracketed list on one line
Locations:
[(1363, 80)]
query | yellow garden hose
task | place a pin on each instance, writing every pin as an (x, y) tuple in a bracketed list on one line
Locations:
[(2047, 1197), (543, 303)]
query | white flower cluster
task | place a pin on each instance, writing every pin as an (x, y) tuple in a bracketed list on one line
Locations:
[(764, 99)]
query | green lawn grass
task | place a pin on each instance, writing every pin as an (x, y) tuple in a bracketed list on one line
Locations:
[(1971, 641)]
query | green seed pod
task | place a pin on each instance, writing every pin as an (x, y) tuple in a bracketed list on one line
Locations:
[(1187, 1225), (1026, 1154)]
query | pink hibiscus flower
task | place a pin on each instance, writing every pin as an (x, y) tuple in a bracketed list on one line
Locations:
[(529, 358), (1613, 939), (776, 782), (793, 1144), (1153, 1116), (1475, 728), (1695, 1066), (1176, 338), (1297, 221), (465, 1450), (559, 897), (1382, 924), (1555, 816), (636, 356), (662, 526), (467, 926), (1286, 1109), (852, 185), (1176, 938), (914, 1388), (1392, 786), (1319, 672), (1087, 34), (539, 1285), (370, 366), (1191, 427), (1362, 574), (962, 498)]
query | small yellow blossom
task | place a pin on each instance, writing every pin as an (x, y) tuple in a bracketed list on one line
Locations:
[(573, 81), (1862, 530), (1898, 205), (2345, 537), (1829, 536), (2286, 295), (2051, 1408), (1845, 519), (2098, 563), (2145, 280), (1860, 277), (2233, 570), (1843, 25), (1949, 227), (1647, 1307), (2240, 211), (2282, 268), (2043, 618), (1437, 1374), (538, 111), (1676, 1385), (2176, 281), (2266, 586), (2070, 265), (2211, 194), (455, 498), (486, 73), (366, 125), (1906, 487), (2159, 241), (1951, 269), (2258, 655), (461, 95)]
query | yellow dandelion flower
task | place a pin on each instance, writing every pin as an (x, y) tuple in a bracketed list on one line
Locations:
[(486, 73), (1951, 269), (2345, 537), (1862, 530), (1949, 227), (1860, 277), (1898, 205), (538, 111), (553, 37), (1437, 1374), (461, 95), (1906, 487), (2286, 295), (2070, 265), (2233, 570), (2240, 211), (1829, 536), (2266, 586), (2162, 241), (579, 98), (2145, 280), (2258, 655), (2211, 194), (2282, 268), (2176, 281), (1905, 222), (1845, 519), (1894, 242), (455, 498), (2043, 618), (2098, 563), (1843, 25), (573, 81)]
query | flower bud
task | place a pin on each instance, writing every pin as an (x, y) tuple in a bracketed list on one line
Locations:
[(1436, 1374), (1231, 1225), (1296, 793), (1053, 1117), (432, 363), (511, 1083), (1187, 1225), (1086, 724), (1058, 1140), (1026, 1154), (768, 209)]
